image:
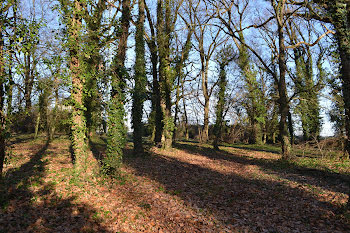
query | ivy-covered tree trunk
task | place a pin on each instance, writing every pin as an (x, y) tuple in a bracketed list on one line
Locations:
[(255, 107), (139, 92), (92, 66), (308, 107), (338, 13), (116, 136), (341, 21), (78, 126), (220, 107), (164, 30)]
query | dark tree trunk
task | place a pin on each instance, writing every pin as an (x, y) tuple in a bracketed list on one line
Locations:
[(140, 82), (177, 103), (2, 115), (156, 115), (290, 127)]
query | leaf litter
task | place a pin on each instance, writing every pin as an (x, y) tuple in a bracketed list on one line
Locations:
[(189, 189)]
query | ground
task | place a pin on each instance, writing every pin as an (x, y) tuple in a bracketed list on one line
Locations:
[(189, 189)]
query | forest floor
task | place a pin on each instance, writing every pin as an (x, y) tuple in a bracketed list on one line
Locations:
[(189, 189)]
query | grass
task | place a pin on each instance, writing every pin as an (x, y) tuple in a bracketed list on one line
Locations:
[(307, 157)]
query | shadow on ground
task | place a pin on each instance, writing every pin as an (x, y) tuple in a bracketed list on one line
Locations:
[(260, 205), (29, 204), (320, 177)]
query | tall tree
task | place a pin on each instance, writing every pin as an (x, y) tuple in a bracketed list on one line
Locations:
[(92, 63), (156, 115), (224, 57), (336, 13), (139, 92), (206, 46), (116, 136), (72, 13), (2, 82), (180, 63), (164, 34)]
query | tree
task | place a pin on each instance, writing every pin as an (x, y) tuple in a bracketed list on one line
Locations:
[(72, 13), (180, 63), (224, 57), (206, 46), (165, 27), (3, 20), (139, 92), (307, 84), (156, 116), (116, 135), (92, 62)]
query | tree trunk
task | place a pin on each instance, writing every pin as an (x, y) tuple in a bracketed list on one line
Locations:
[(140, 82), (156, 115), (283, 97), (164, 30), (343, 37), (185, 116), (290, 127), (2, 115), (157, 111), (116, 136), (205, 133), (37, 125), (78, 127), (177, 104), (220, 107)]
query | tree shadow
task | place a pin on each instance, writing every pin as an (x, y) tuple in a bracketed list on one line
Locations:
[(29, 204), (284, 169), (273, 151), (237, 201), (20, 138)]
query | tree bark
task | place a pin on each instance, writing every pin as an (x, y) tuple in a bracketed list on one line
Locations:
[(164, 30), (282, 89), (116, 136), (2, 115), (140, 82), (78, 127), (205, 133)]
